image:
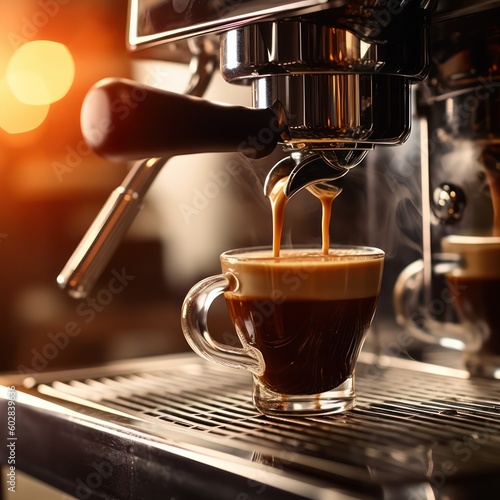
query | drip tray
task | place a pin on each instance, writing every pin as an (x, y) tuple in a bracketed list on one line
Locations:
[(179, 427)]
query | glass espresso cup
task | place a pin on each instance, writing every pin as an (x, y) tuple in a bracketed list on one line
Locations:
[(473, 288), (301, 318)]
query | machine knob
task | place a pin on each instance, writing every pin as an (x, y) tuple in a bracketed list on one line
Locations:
[(448, 203), (125, 120)]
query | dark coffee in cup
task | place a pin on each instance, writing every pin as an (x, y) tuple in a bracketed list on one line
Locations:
[(477, 305), (307, 313), (475, 288), (295, 365)]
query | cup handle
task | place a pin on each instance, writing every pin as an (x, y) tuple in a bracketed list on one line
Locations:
[(195, 327), (415, 317)]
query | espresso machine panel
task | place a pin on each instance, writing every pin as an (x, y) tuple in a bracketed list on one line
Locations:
[(153, 22)]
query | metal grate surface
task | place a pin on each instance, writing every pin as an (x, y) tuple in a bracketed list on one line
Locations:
[(408, 424)]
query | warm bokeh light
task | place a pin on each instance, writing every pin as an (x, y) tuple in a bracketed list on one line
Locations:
[(40, 72), (17, 117)]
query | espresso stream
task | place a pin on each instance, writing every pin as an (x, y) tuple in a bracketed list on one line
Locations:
[(494, 185), (278, 204)]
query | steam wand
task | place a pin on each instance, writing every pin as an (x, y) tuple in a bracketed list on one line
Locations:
[(105, 234)]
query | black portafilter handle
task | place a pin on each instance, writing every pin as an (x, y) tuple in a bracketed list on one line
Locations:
[(125, 120)]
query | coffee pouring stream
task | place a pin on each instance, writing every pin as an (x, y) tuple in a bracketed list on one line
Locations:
[(312, 171)]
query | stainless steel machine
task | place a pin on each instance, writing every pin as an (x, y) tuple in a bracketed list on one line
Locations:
[(330, 81), (408, 91)]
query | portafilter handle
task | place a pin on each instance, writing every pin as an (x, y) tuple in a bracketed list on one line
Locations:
[(125, 120)]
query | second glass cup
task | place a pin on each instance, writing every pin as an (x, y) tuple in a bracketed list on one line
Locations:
[(301, 318), (471, 287)]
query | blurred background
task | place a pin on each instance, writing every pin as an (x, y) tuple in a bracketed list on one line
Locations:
[(52, 186)]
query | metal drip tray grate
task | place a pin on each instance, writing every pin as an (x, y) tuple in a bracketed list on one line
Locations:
[(406, 422), (413, 424)]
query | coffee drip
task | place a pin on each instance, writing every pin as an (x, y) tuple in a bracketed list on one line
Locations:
[(493, 179), (325, 193), (326, 198), (494, 182), (492, 172)]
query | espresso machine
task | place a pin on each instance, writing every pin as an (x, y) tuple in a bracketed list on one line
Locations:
[(405, 92), (340, 88)]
